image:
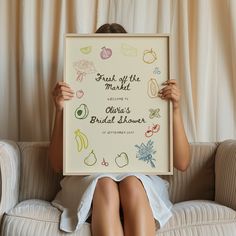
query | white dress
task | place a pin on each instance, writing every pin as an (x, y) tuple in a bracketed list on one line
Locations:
[(76, 195)]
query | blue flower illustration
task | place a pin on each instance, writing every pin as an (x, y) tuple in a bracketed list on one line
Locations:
[(146, 152)]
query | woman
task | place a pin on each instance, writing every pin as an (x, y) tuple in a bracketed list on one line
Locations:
[(141, 200)]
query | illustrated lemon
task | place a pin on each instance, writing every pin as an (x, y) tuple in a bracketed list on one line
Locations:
[(86, 50), (153, 88)]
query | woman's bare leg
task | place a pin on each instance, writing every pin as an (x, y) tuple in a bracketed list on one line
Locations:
[(106, 209), (138, 217)]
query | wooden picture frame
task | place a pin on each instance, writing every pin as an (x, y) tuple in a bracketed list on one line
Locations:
[(116, 122)]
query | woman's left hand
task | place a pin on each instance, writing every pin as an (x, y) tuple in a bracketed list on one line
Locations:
[(171, 91)]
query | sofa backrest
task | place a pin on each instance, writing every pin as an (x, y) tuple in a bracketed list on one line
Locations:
[(38, 180), (198, 181)]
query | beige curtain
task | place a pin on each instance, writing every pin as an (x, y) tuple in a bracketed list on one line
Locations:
[(203, 58)]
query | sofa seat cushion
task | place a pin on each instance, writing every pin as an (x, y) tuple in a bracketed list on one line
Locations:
[(200, 217), (191, 218), (36, 217)]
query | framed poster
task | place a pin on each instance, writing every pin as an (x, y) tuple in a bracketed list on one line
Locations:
[(116, 121)]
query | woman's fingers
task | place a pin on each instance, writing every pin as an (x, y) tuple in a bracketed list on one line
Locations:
[(171, 87), (170, 93), (64, 97), (62, 83), (58, 85), (170, 81), (66, 89), (65, 93), (62, 87), (171, 96), (167, 88), (62, 92), (167, 91)]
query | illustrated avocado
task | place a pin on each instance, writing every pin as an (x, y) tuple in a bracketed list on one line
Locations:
[(82, 111)]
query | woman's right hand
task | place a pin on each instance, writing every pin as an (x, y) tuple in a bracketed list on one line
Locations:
[(61, 92)]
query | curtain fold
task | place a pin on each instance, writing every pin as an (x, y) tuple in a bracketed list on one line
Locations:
[(203, 58)]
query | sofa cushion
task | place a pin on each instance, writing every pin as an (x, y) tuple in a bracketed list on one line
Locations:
[(200, 217), (40, 218), (36, 217)]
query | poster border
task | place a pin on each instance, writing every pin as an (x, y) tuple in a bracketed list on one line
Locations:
[(170, 107)]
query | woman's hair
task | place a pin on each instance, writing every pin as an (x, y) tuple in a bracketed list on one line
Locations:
[(111, 28)]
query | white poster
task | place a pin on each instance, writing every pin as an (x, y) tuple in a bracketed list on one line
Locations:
[(116, 121)]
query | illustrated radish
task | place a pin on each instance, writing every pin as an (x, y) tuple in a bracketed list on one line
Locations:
[(79, 93)]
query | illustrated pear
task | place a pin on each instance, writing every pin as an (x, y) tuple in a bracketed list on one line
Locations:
[(91, 159)]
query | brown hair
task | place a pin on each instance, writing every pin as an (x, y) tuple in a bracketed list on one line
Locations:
[(111, 28)]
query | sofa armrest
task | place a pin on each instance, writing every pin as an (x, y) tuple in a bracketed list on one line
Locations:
[(10, 175), (225, 170)]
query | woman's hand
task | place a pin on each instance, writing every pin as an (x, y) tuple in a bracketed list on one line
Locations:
[(181, 150), (61, 92), (171, 91)]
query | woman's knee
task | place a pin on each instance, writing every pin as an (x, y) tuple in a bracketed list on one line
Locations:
[(106, 190), (131, 190)]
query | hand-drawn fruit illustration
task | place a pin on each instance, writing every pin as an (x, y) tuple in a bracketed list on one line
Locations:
[(104, 162), (153, 88), (157, 71), (150, 131), (86, 50), (91, 159), (79, 94), (122, 160), (145, 153), (82, 68), (149, 56), (128, 50), (105, 53), (82, 112), (81, 140), (155, 128)]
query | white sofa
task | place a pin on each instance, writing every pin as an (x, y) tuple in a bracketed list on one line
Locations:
[(204, 195)]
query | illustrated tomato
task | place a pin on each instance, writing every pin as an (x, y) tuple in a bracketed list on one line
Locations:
[(155, 128)]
